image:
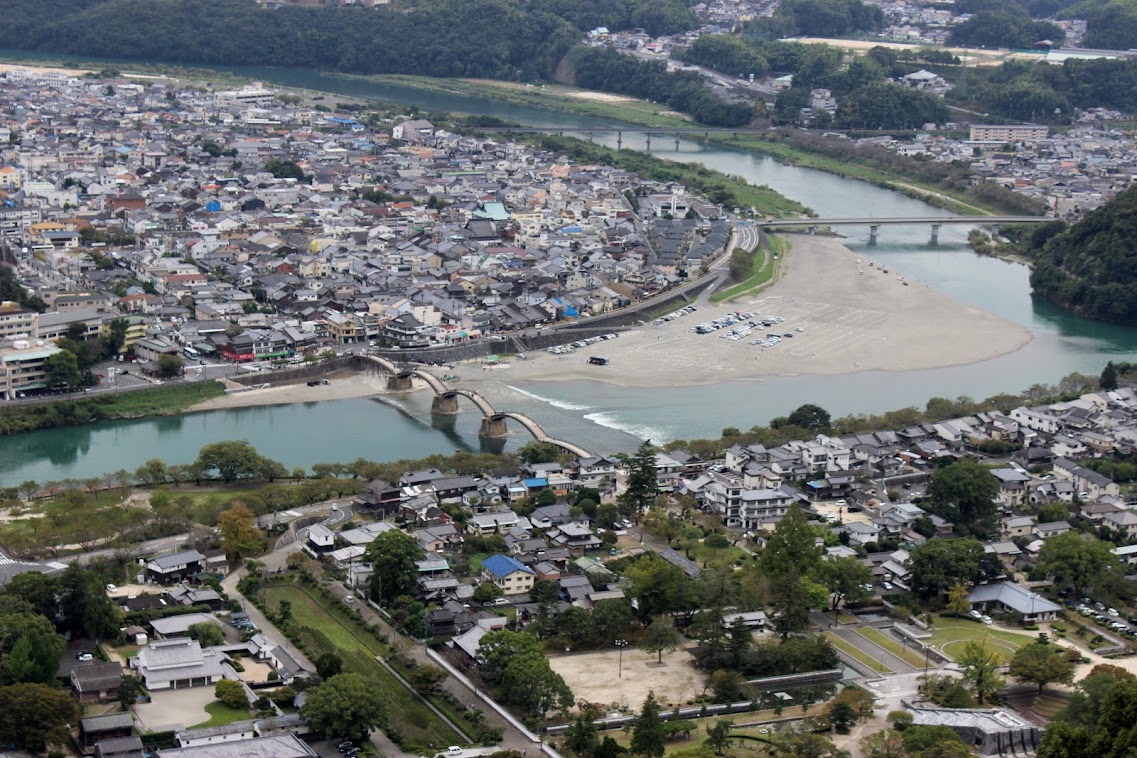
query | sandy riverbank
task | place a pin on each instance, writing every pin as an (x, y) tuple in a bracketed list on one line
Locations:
[(341, 385), (843, 321)]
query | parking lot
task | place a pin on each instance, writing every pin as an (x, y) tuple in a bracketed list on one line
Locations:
[(777, 332)]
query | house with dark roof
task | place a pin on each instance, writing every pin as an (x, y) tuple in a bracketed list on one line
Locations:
[(97, 728), (168, 569), (96, 682)]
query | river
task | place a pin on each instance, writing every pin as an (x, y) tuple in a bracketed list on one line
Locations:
[(601, 416)]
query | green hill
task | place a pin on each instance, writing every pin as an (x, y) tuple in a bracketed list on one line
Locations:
[(1091, 267)]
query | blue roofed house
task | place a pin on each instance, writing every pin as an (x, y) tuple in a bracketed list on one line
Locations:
[(512, 576)]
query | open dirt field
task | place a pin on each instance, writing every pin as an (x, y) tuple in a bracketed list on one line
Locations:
[(175, 709), (595, 677)]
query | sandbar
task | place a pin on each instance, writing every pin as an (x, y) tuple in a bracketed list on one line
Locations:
[(845, 317)]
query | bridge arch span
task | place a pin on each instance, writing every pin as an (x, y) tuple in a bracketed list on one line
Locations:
[(446, 402)]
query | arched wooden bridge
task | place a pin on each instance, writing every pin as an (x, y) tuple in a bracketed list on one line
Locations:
[(401, 378)]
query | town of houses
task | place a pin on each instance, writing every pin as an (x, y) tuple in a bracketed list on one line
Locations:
[(159, 203), (864, 487)]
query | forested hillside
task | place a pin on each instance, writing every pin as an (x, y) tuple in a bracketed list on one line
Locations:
[(1091, 268), (501, 39)]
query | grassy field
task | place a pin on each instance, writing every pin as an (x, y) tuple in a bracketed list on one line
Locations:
[(856, 654), (906, 654), (323, 627), (949, 635), (763, 272), (221, 714)]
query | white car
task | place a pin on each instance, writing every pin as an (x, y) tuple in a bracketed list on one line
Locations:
[(986, 620), (976, 615), (887, 586)]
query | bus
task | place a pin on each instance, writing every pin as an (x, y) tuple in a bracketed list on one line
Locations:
[(190, 352)]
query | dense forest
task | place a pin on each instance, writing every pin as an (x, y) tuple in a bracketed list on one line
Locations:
[(1091, 267), (485, 38), (1027, 91), (1005, 28), (819, 18)]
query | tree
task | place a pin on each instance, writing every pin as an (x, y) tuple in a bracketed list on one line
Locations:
[(499, 648), (659, 587), (530, 683), (718, 735), (964, 493), (613, 619), (1080, 560), (86, 607), (642, 487), (545, 592), (240, 536), (347, 706), (887, 743), (1041, 663), (426, 679), (812, 417), (232, 460), (40, 591), (62, 368), (230, 693), (842, 716), (726, 686), (35, 715), (939, 565), (980, 668), (582, 739), (329, 664), (1108, 380), (1064, 740), (170, 365), (649, 737), (846, 578), (206, 633), (1048, 513), (790, 560), (959, 601), (393, 555), (661, 636), (934, 742), (486, 592), (129, 691), (34, 654)]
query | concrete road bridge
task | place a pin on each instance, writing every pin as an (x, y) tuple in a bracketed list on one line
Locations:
[(401, 379), (874, 224)]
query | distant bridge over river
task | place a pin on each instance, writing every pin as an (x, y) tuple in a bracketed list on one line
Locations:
[(401, 378), (875, 223)]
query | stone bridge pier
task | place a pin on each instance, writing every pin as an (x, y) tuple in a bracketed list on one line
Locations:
[(399, 383), (444, 405), (493, 427)]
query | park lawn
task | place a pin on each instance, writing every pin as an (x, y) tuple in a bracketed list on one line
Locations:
[(323, 627), (950, 634), (856, 654), (906, 654), (763, 272), (725, 557), (222, 715)]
